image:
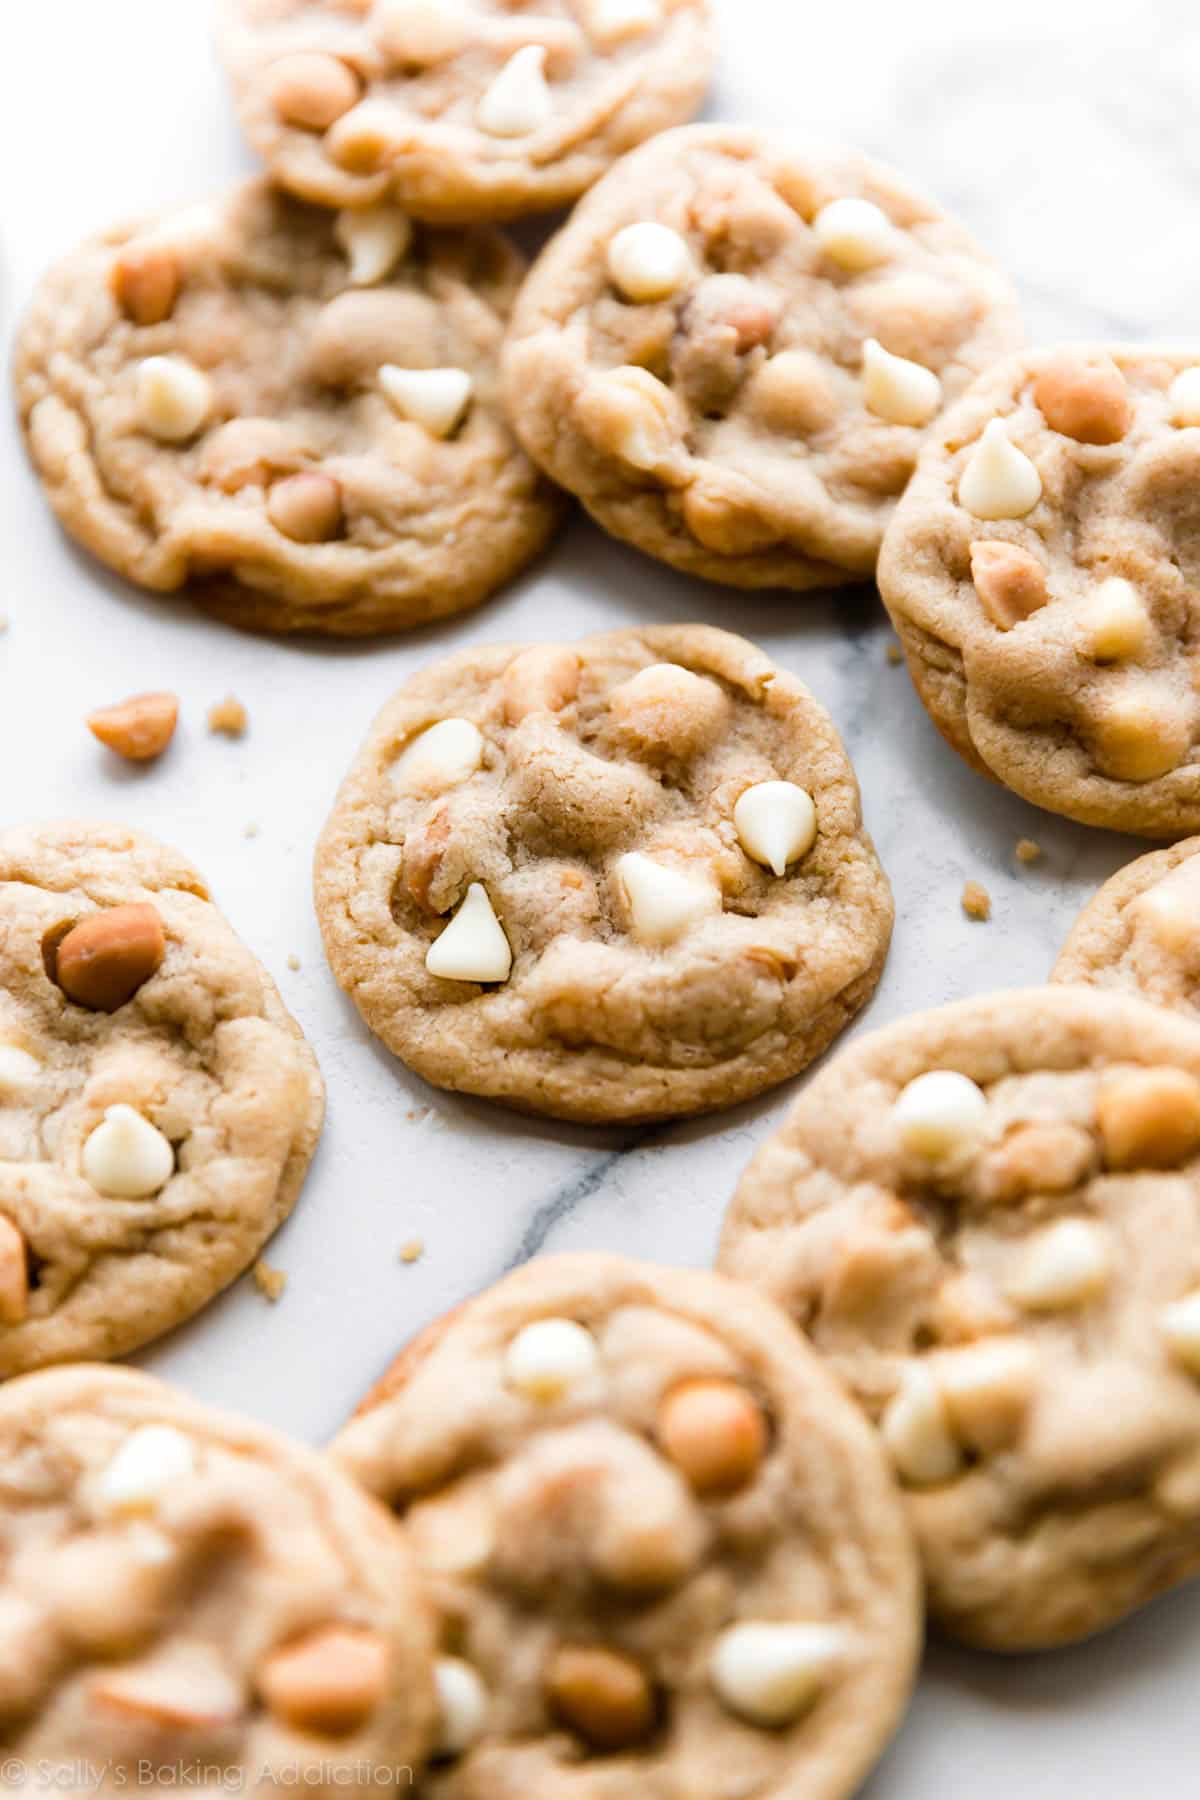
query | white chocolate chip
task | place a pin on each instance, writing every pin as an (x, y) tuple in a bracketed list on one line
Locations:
[(127, 1158), (895, 389), (1116, 622), (776, 823), (1183, 399), (612, 22), (1181, 1329), (173, 397), (999, 481), (855, 233), (986, 1388), (770, 1672), (663, 903), (150, 1461), (940, 1113), (443, 756), (916, 1431), (374, 239), (434, 398), (462, 1705), (548, 1358), (17, 1068), (473, 946), (1066, 1265), (648, 261), (519, 99)]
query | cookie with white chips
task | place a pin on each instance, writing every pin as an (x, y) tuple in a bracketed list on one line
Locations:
[(1041, 572), (666, 1550), (734, 349), (289, 415), (183, 1590), (158, 1105), (987, 1219), (459, 109), (622, 879), (1141, 932)]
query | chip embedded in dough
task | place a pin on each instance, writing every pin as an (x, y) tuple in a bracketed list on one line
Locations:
[(748, 404), (1041, 572), (1141, 932), (158, 1106), (682, 1569), (577, 917), (459, 110), (291, 417), (186, 1590), (1015, 1299)]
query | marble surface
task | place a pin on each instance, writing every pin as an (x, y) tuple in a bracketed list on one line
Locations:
[(1064, 135)]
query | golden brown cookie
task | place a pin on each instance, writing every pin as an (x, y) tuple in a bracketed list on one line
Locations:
[(734, 349), (620, 879), (1041, 571), (289, 415), (667, 1552), (459, 110), (158, 1106), (185, 1592), (987, 1218), (1141, 932)]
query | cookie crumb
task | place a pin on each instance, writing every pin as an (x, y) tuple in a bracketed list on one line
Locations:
[(228, 717), (293, 961), (1028, 851), (417, 1115), (269, 1282), (976, 901), (413, 1251), (895, 655)]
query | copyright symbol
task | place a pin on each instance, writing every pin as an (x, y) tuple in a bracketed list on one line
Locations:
[(12, 1772)]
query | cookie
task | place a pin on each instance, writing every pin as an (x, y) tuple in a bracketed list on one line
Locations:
[(186, 1592), (734, 349), (987, 1218), (459, 109), (624, 879), (1141, 933), (1041, 572), (292, 416), (667, 1554), (158, 1106)]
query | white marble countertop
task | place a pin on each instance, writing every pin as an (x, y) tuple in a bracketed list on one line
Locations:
[(1064, 135)]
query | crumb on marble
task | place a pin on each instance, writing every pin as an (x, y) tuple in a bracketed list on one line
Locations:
[(895, 655), (251, 830), (1028, 851), (293, 961), (269, 1282), (976, 901), (417, 1115), (413, 1251), (228, 717)]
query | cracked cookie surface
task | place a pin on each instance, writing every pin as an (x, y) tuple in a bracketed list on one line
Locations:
[(1041, 572), (1140, 932), (185, 1590), (733, 350), (158, 1105), (620, 879), (292, 416), (666, 1551), (985, 1218), (460, 109)]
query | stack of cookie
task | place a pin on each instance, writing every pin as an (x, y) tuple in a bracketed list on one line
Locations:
[(607, 1530)]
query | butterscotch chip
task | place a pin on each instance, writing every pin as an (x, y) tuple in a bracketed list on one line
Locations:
[(228, 717), (1052, 648), (466, 112), (1013, 1337), (576, 877), (307, 435), (160, 1105), (761, 448), (714, 1432), (194, 1585), (976, 901), (140, 728), (602, 1597)]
